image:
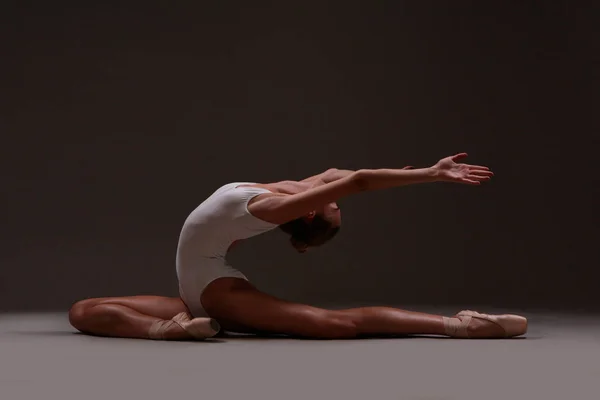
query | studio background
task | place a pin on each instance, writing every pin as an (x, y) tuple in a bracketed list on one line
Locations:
[(117, 121)]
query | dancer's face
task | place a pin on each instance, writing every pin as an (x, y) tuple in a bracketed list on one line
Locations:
[(332, 215)]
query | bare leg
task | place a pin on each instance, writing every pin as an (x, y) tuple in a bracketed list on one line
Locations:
[(127, 317), (385, 320), (238, 306)]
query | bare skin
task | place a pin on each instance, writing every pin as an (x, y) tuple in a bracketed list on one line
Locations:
[(240, 307), (127, 317)]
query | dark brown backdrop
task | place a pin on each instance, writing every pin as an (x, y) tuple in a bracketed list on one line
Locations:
[(117, 121)]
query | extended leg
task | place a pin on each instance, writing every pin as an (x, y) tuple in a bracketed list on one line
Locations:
[(238, 306), (144, 317)]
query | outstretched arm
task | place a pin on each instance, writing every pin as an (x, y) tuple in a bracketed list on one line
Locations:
[(332, 175), (281, 209), (446, 170)]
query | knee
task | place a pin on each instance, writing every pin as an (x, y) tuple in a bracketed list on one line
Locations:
[(334, 325), (79, 313)]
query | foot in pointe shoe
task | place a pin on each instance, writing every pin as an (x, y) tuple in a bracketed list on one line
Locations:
[(199, 328), (472, 324)]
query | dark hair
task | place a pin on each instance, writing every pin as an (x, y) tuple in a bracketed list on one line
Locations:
[(314, 232)]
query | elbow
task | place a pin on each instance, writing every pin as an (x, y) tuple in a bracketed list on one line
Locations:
[(361, 180), (330, 175), (330, 172)]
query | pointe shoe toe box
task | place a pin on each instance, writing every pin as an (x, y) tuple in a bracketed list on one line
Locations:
[(200, 328), (513, 325)]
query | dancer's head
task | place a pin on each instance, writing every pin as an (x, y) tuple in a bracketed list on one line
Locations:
[(315, 228)]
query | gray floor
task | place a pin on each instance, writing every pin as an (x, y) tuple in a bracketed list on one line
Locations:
[(43, 358)]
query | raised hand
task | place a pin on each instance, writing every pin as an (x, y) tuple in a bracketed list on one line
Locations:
[(450, 170)]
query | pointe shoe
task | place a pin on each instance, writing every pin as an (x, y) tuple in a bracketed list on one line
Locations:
[(199, 328), (512, 325)]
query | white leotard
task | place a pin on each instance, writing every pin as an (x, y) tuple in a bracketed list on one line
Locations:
[(207, 234)]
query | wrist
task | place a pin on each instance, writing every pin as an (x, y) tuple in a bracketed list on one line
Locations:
[(434, 174)]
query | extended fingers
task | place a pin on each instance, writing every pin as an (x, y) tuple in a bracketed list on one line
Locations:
[(475, 176), (470, 181), (477, 167), (478, 178), (482, 173), (472, 174)]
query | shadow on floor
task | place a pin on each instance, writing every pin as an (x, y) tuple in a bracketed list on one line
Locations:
[(229, 336)]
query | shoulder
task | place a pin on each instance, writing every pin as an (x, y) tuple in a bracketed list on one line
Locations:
[(251, 193)]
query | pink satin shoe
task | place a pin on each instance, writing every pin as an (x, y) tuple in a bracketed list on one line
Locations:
[(512, 325), (199, 328)]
